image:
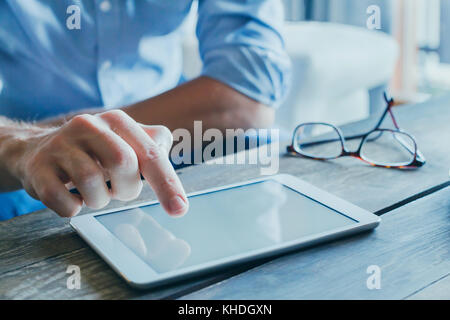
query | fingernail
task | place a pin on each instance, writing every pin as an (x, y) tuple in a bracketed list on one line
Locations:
[(177, 205)]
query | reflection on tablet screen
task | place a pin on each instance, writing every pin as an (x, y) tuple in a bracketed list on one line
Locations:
[(221, 224)]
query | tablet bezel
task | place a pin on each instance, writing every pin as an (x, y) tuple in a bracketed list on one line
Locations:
[(139, 274)]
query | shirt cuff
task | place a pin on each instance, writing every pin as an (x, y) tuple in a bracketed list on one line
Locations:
[(260, 74)]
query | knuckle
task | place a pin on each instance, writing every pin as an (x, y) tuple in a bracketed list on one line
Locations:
[(82, 120), (116, 119), (166, 135), (124, 159), (170, 183), (83, 124), (153, 154), (164, 131), (115, 114)]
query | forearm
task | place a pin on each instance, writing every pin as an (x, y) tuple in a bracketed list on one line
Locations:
[(213, 103), (203, 99)]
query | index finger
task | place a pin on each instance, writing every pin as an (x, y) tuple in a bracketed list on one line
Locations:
[(160, 135), (153, 161)]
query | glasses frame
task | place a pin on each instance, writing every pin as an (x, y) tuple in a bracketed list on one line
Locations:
[(417, 161)]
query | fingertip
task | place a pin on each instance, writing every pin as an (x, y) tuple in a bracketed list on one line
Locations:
[(77, 210), (98, 203), (128, 191), (178, 206), (71, 212)]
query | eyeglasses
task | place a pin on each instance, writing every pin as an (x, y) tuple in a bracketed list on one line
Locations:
[(388, 148)]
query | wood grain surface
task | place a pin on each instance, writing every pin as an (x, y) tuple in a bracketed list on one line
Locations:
[(411, 248), (36, 249)]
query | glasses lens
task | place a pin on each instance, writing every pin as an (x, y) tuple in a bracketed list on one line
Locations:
[(318, 141), (389, 148)]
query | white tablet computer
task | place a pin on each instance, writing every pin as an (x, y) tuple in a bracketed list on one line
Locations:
[(224, 226)]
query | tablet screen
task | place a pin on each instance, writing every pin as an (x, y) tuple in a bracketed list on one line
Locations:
[(221, 224)]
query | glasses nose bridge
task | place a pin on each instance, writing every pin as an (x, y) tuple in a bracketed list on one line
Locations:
[(346, 152)]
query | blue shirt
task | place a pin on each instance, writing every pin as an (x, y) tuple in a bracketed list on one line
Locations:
[(129, 50)]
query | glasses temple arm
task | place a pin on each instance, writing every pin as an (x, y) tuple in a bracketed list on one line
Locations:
[(418, 154)]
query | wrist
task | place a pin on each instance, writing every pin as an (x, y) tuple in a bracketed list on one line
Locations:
[(16, 144)]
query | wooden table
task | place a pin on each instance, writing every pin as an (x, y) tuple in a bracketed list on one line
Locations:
[(411, 246)]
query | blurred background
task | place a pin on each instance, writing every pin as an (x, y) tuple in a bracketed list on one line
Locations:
[(419, 27), (345, 53)]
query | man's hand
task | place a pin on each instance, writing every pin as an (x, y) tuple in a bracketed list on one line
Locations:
[(89, 149)]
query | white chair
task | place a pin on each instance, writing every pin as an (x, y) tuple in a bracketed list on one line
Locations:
[(334, 67)]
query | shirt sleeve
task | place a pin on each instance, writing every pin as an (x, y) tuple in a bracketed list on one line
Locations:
[(241, 45)]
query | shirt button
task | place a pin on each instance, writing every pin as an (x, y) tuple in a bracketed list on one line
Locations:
[(105, 6), (106, 65)]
